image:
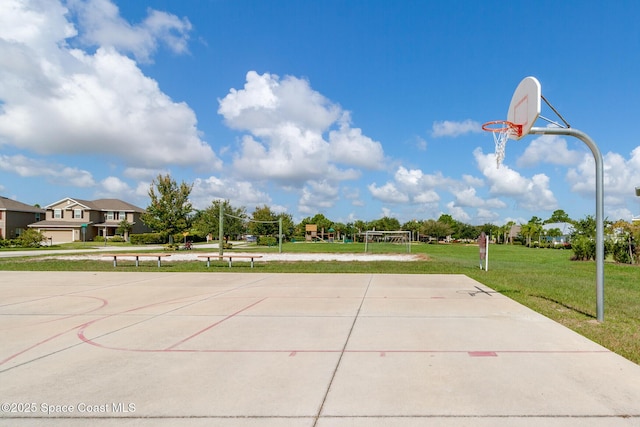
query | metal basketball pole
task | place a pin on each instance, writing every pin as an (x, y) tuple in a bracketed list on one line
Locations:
[(599, 206), (221, 230)]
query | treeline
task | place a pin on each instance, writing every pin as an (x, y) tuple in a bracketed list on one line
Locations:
[(171, 215)]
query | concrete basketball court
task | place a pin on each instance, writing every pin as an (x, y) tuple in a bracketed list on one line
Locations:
[(294, 350)]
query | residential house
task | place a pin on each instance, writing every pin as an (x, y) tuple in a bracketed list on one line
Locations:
[(566, 230), (16, 216), (70, 220)]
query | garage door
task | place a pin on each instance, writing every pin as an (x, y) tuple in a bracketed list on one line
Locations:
[(59, 236)]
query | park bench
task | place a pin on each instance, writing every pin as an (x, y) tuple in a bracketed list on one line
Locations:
[(137, 257), (229, 257)]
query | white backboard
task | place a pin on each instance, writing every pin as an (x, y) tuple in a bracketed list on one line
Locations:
[(525, 105)]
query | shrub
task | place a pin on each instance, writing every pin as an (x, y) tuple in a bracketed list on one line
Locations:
[(146, 239), (9, 243), (621, 253), (584, 248), (30, 238), (267, 241)]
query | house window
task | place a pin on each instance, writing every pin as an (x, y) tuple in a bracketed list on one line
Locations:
[(122, 216), (37, 216), (77, 213), (110, 215), (57, 213)]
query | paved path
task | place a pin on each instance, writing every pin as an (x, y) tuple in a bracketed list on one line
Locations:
[(294, 350)]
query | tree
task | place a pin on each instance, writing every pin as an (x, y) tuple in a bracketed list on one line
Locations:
[(466, 231), (124, 228), (322, 222), (413, 227), (207, 221), (435, 229), (527, 230), (385, 224), (360, 226), (558, 216), (505, 230), (31, 238), (260, 227), (585, 227), (288, 226), (170, 209), (447, 219), (554, 233), (532, 228), (490, 230)]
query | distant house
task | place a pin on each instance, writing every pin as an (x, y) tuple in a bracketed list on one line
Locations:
[(70, 220), (16, 216), (514, 232), (566, 229)]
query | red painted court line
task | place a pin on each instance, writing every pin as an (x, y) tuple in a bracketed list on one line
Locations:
[(13, 356), (483, 354), (214, 324), (82, 327), (380, 353), (104, 303)]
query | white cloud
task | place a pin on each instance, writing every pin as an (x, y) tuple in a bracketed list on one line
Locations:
[(530, 193), (62, 100), (453, 129), (349, 146), (621, 176), (549, 149), (114, 187), (54, 173), (388, 193), (414, 186), (102, 25), (241, 193), (458, 213), (317, 196), (472, 181), (426, 197), (486, 216), (295, 133), (145, 174)]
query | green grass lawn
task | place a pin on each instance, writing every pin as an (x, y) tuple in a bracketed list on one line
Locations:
[(542, 279)]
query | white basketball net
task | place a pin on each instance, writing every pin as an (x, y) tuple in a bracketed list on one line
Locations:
[(500, 138)]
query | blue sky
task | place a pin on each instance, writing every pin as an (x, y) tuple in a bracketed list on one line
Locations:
[(353, 109)]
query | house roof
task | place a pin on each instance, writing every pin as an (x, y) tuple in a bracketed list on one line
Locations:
[(101, 205), (565, 228), (115, 205), (48, 223), (7, 204)]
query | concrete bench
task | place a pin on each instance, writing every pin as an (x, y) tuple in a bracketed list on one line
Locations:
[(229, 257), (137, 257)]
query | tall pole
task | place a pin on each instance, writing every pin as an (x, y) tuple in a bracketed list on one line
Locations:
[(221, 231), (280, 235), (599, 206)]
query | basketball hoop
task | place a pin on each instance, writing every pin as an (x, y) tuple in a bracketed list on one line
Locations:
[(502, 130)]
